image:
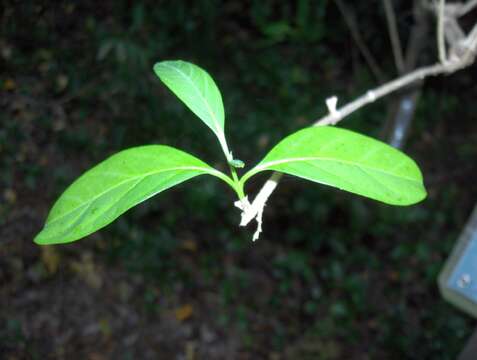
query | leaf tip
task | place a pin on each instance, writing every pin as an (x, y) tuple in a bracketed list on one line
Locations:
[(417, 197), (39, 240)]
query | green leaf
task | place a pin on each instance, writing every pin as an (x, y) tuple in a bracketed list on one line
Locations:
[(196, 88), (115, 185), (348, 161)]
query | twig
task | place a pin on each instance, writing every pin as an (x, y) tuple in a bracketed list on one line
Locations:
[(356, 34), (254, 210), (440, 32), (467, 7), (454, 10), (372, 95), (394, 35)]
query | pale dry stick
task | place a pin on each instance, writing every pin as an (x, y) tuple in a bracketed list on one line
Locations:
[(453, 35), (372, 95), (470, 41), (454, 10), (441, 18), (467, 7), (394, 36), (470, 46), (254, 210), (358, 39)]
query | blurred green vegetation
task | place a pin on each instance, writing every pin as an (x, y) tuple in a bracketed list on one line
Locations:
[(334, 276)]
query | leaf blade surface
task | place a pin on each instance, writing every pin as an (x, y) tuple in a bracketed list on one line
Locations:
[(197, 90), (115, 185), (348, 161)]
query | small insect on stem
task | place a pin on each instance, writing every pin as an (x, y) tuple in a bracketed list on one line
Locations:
[(236, 163)]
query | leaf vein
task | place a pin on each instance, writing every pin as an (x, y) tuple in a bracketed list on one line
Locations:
[(270, 164), (203, 170), (217, 129)]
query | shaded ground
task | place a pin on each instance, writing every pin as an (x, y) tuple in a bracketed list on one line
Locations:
[(334, 276)]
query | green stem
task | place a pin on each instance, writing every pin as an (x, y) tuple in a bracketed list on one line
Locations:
[(238, 186)]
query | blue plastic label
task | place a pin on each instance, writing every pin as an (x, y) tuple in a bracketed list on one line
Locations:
[(464, 277)]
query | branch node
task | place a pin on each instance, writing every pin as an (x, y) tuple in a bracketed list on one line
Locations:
[(371, 95), (335, 114)]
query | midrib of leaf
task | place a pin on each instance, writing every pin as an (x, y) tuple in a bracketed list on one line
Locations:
[(140, 178), (264, 166), (87, 206), (185, 76)]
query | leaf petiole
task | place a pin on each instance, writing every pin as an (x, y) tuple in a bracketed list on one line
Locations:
[(237, 184)]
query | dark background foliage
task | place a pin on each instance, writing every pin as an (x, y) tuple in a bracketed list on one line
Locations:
[(334, 276)]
